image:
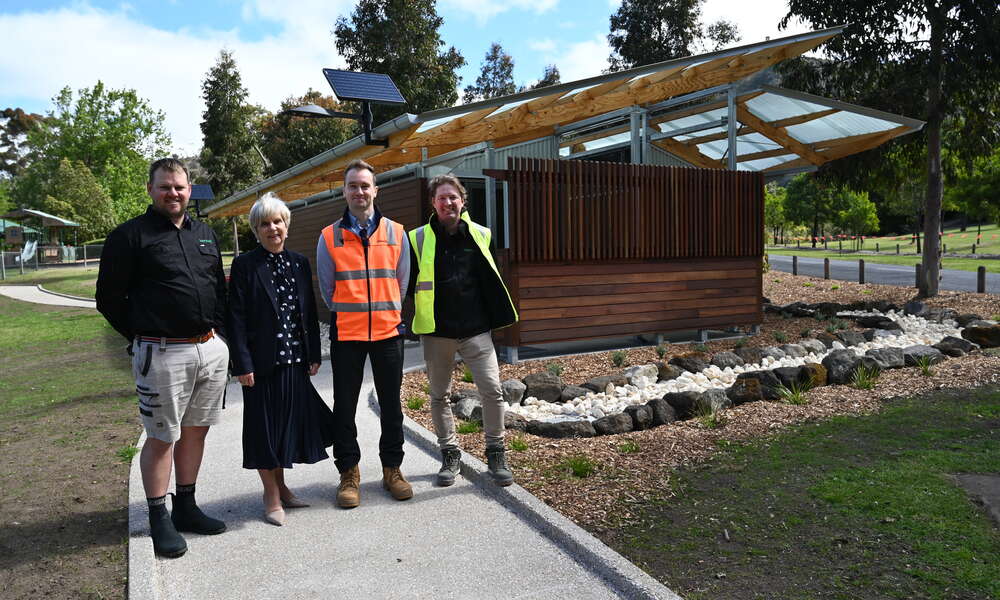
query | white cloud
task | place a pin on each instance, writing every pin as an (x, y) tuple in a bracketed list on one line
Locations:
[(757, 20), (581, 59), (545, 45), (79, 45), (484, 10)]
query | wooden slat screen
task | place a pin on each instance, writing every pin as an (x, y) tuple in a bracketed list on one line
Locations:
[(569, 210)]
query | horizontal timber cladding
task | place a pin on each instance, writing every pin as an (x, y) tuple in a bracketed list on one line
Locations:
[(405, 202), (565, 301), (570, 210)]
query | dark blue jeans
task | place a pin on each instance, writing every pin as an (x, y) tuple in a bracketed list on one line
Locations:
[(348, 373)]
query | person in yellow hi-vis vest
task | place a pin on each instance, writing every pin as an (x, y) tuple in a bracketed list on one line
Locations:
[(459, 298)]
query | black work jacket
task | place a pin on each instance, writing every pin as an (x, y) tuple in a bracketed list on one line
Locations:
[(159, 280), (253, 324)]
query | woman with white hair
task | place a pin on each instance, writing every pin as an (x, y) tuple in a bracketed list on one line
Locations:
[(274, 345)]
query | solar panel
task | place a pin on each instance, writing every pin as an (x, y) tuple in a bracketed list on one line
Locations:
[(357, 86)]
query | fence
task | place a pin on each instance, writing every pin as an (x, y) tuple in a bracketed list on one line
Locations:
[(47, 256)]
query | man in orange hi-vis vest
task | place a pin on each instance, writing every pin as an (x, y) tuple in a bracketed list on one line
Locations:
[(363, 266)]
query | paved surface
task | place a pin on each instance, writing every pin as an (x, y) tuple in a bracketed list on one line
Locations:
[(847, 270), (39, 295), (471, 540)]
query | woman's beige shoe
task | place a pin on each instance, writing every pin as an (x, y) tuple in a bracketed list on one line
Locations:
[(275, 517)]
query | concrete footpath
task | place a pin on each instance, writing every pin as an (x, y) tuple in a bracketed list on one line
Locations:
[(471, 540), (39, 295)]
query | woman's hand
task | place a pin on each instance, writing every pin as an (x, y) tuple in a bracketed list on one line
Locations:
[(313, 369), (246, 380)]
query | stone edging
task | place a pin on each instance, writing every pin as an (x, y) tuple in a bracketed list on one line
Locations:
[(628, 579)]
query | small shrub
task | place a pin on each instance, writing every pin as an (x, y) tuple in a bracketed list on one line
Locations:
[(740, 342), (709, 419), (125, 453), (780, 336), (700, 348), (808, 284), (864, 378), (619, 358), (628, 447), (469, 427), (805, 332), (776, 280), (795, 394), (579, 466), (924, 363), (466, 374), (834, 287), (554, 368), (415, 402), (866, 292), (661, 351), (426, 388), (518, 443)]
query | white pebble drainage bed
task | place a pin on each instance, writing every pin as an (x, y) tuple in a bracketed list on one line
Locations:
[(916, 331)]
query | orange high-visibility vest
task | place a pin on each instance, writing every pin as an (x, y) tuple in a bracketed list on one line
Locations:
[(365, 303)]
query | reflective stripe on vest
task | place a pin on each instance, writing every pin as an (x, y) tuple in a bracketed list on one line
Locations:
[(365, 301), (424, 243)]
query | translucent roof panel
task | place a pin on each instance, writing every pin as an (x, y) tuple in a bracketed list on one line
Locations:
[(578, 90), (611, 140), (772, 107), (766, 163), (698, 119), (432, 124), (838, 125), (510, 106)]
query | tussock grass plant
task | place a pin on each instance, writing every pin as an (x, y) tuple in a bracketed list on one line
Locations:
[(415, 402), (661, 351), (808, 284), (619, 358), (469, 427), (834, 287), (700, 348), (466, 374), (628, 447), (805, 332), (924, 364), (125, 453), (796, 394), (518, 443), (554, 368), (864, 377), (578, 465), (780, 336), (741, 342)]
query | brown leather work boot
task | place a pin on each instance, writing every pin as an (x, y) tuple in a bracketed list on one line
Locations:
[(348, 494), (392, 480)]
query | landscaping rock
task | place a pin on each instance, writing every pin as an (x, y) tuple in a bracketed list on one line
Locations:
[(873, 321), (813, 345), (788, 376), (766, 380), (682, 403), (986, 337), (692, 361), (572, 391), (544, 386), (745, 390), (914, 307), (869, 363), (663, 413), (826, 339), (774, 352), (981, 323), (813, 375), (600, 383), (612, 424), (666, 372), (750, 356), (794, 350), (727, 359), (886, 358), (513, 391), (648, 371), (883, 306), (798, 309), (912, 354), (514, 422), (964, 319), (712, 401), (953, 346), (851, 338), (829, 309), (642, 416), (840, 366), (939, 315), (562, 429), (463, 393), (468, 409)]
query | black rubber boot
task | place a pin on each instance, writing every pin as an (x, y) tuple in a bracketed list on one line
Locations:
[(188, 517), (166, 541)]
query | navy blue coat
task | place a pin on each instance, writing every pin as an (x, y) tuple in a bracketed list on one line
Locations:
[(253, 324)]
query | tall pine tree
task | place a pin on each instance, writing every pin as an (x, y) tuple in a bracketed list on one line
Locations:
[(229, 151), (400, 38), (496, 77)]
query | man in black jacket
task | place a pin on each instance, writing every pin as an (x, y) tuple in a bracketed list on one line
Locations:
[(161, 285)]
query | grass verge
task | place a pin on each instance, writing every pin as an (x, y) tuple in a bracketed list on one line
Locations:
[(854, 507)]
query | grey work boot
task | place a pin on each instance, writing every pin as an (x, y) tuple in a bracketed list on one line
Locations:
[(450, 466), (496, 461)]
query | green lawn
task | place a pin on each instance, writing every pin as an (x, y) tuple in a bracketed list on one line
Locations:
[(961, 264), (854, 507)]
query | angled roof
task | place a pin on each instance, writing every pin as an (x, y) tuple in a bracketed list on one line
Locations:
[(538, 113), (47, 219)]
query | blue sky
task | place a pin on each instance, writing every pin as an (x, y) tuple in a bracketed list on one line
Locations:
[(163, 48)]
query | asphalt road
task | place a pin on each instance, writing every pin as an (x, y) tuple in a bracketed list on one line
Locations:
[(847, 270)]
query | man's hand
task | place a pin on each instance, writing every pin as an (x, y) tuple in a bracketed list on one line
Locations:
[(246, 380), (313, 369)]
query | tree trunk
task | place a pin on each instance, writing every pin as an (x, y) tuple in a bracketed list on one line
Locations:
[(932, 206)]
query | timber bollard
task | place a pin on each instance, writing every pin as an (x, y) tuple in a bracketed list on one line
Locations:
[(919, 273), (861, 270), (795, 265), (981, 280), (876, 247), (973, 248), (897, 248), (826, 268)]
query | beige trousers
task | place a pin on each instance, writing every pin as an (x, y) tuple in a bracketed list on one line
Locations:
[(478, 354)]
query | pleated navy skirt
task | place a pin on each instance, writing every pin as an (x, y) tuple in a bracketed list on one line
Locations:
[(285, 421)]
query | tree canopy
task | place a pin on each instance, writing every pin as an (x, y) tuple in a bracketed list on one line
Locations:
[(400, 38), (286, 141), (229, 153), (550, 77), (13, 137), (75, 194), (496, 76)]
